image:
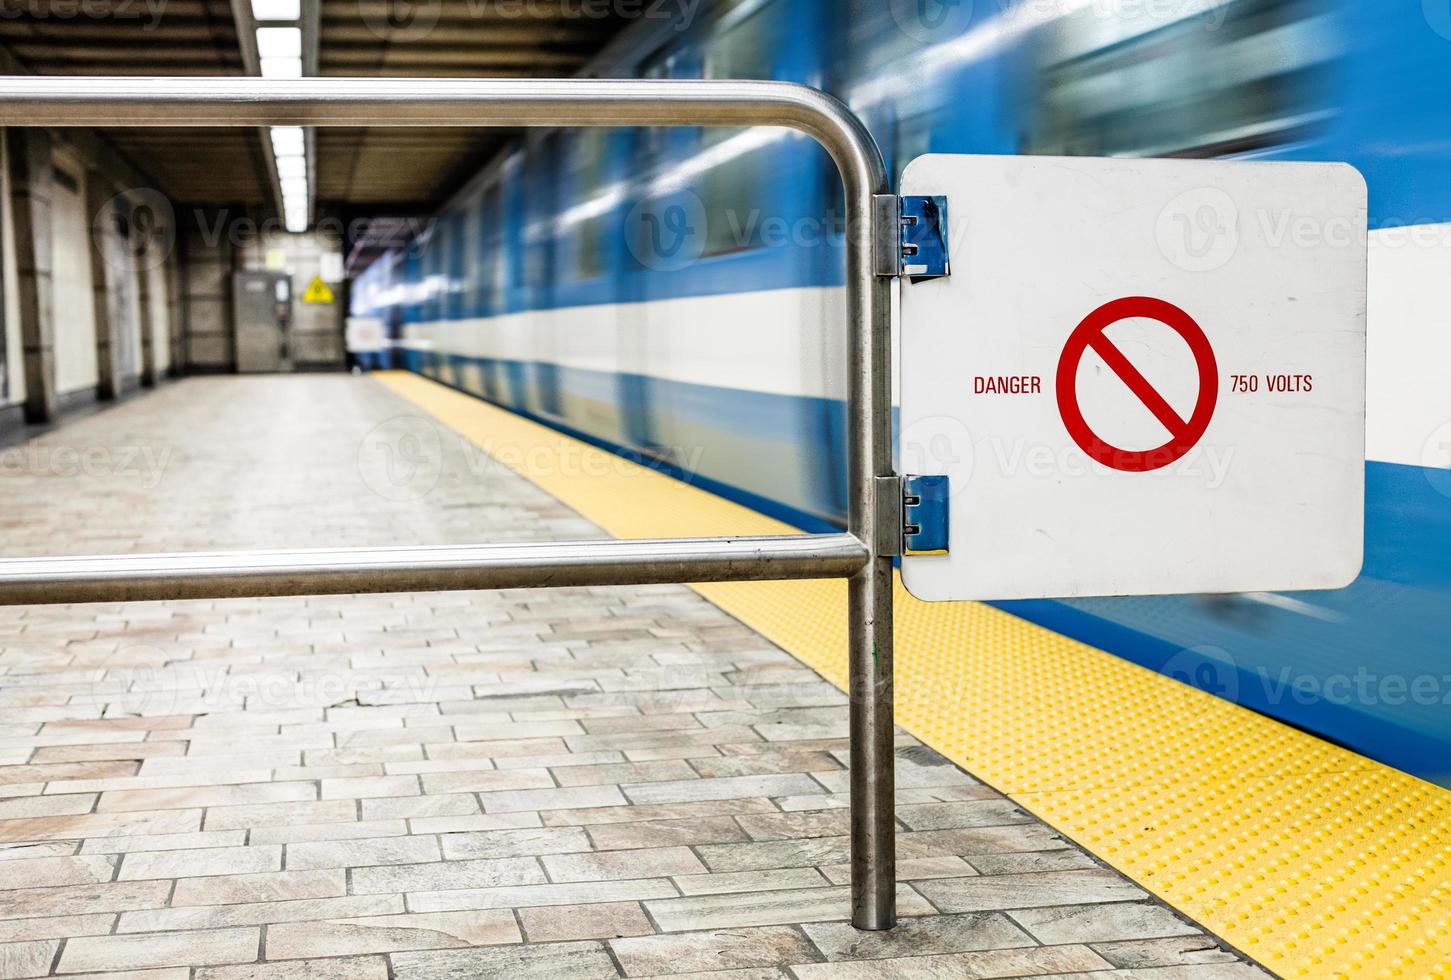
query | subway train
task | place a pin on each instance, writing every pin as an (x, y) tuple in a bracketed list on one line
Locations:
[(676, 294)]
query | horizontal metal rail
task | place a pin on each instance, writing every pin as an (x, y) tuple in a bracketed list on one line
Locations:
[(524, 564), (484, 102)]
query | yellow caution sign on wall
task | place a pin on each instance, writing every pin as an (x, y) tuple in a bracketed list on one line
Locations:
[(317, 292)]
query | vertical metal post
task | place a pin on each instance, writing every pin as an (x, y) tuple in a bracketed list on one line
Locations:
[(873, 783), (869, 600)]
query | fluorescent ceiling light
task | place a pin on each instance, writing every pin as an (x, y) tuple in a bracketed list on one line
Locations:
[(296, 222), (281, 67), (276, 9), (292, 167), (287, 141), (279, 42), (294, 185)]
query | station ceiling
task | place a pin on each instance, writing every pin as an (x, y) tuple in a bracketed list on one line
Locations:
[(357, 170)]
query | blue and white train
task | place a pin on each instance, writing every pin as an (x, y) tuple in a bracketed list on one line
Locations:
[(650, 290)]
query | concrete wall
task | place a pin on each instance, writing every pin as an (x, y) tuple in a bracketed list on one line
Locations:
[(28, 168), (159, 290), (85, 267), (12, 378), (124, 297), (76, 371), (105, 286), (206, 275), (317, 328)]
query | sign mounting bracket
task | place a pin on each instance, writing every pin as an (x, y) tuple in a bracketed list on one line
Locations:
[(910, 236), (923, 230), (912, 515), (925, 509)]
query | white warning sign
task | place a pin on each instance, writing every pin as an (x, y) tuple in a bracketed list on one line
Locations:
[(1141, 376)]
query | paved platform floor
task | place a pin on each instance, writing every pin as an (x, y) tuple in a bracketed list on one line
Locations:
[(575, 783)]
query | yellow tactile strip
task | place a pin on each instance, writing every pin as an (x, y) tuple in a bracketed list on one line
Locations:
[(1312, 859)]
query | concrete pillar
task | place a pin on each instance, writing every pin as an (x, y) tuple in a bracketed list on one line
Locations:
[(100, 206), (206, 270), (28, 160), (142, 271), (175, 325)]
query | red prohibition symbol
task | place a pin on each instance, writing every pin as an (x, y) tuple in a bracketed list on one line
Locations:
[(1184, 434)]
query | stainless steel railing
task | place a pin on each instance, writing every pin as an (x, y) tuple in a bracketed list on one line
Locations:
[(859, 555)]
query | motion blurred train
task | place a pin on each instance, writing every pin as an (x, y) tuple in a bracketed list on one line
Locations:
[(676, 294)]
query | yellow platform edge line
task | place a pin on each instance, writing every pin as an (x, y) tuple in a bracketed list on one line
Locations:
[(1313, 860)]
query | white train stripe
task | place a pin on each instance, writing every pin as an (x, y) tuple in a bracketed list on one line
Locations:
[(1408, 356), (792, 342), (785, 341)]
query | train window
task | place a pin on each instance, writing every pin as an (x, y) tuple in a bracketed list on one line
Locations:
[(431, 274), (588, 214), (479, 218), (652, 143), (538, 206), (1179, 85), (874, 39), (458, 270), (496, 256), (741, 47), (911, 138)]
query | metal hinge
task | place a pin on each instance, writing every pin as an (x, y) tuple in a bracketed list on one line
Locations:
[(910, 236), (912, 514), (924, 238), (925, 513)]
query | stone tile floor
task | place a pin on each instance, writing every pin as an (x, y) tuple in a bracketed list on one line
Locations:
[(576, 783)]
